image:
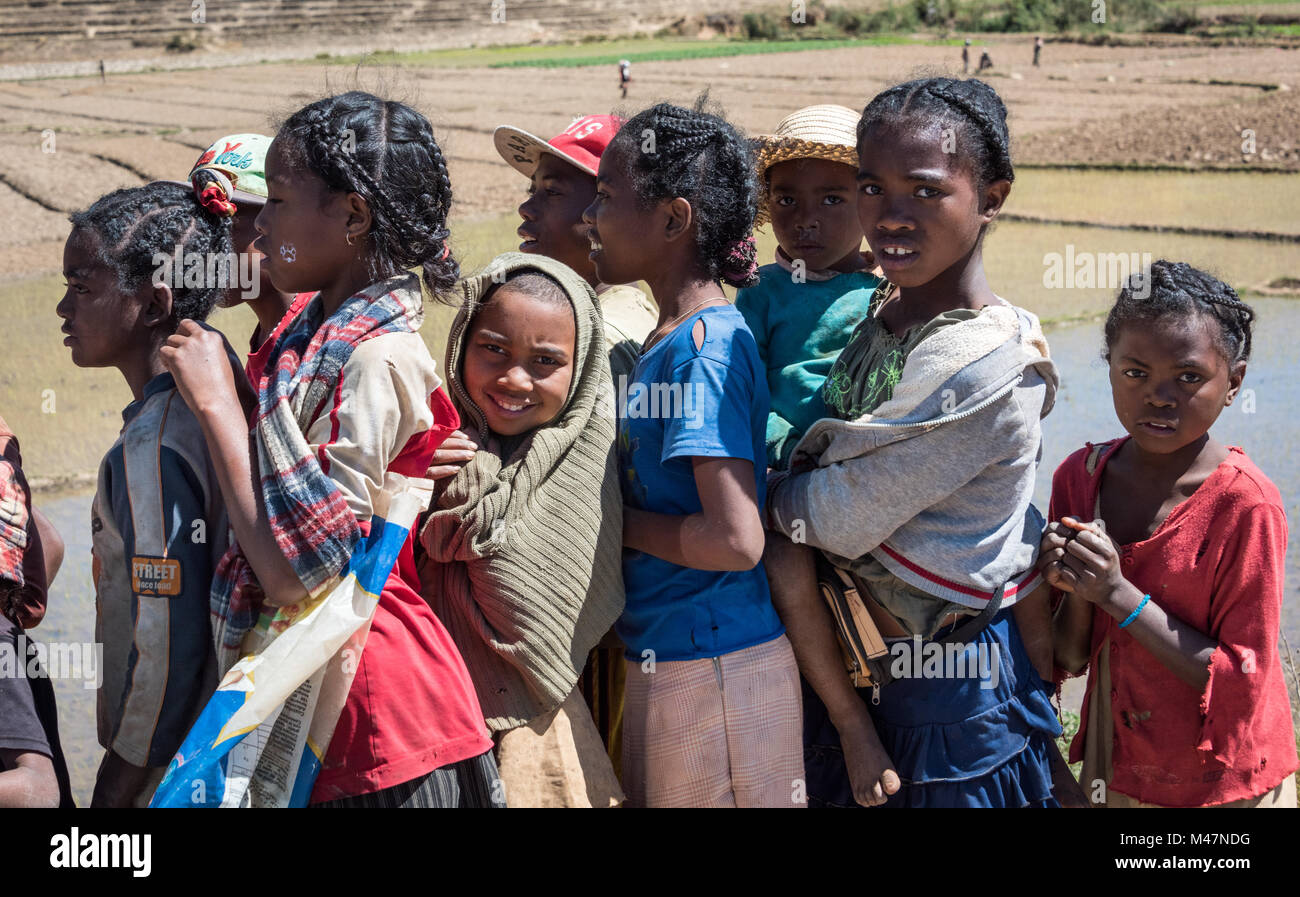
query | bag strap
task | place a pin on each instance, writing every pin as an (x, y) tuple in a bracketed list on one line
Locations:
[(972, 627)]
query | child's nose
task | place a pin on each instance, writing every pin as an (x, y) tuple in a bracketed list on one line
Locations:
[(589, 214), (258, 224), (517, 378), (527, 210)]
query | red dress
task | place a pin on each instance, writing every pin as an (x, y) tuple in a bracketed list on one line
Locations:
[(1216, 563)]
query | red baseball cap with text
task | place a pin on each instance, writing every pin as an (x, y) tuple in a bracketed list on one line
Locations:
[(580, 144)]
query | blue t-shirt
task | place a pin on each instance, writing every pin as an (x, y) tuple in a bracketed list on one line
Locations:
[(681, 403)]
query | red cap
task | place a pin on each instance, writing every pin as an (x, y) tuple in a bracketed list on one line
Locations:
[(580, 144)]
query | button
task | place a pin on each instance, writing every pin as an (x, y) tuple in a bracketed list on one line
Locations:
[(1128, 559), (1114, 693)]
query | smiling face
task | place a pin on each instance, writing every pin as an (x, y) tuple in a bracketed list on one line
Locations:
[(814, 215), (557, 195), (618, 228), (303, 228), (243, 235), (518, 360), (920, 208), (1169, 380), (101, 321)]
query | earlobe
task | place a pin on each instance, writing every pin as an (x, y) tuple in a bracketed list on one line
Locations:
[(1235, 379), (994, 198), (359, 218), (159, 309), (679, 217)]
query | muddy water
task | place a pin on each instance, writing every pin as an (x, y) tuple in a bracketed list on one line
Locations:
[(1083, 412)]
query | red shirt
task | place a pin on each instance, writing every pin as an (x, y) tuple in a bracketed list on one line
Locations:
[(1216, 563), (412, 707), (258, 355)]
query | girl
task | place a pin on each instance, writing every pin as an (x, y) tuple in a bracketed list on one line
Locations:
[(922, 486), (1174, 591), (712, 709), (347, 408), (525, 542)]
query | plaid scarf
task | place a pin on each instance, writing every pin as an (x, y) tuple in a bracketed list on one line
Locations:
[(309, 516), (14, 518)]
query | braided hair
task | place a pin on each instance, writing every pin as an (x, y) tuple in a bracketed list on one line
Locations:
[(384, 151), (137, 223), (704, 159), (1178, 289), (970, 104)]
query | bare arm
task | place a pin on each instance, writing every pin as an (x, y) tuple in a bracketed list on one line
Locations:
[(28, 780), (726, 535)]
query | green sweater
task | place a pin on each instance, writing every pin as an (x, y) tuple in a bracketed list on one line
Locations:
[(800, 329)]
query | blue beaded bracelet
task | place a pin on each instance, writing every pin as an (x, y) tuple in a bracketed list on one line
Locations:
[(1137, 610)]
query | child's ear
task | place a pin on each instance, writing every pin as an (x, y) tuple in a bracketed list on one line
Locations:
[(678, 216), (158, 309), (1236, 374), (995, 195), (359, 220)]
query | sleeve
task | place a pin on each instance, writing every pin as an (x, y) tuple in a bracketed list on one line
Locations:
[(14, 513), (20, 727), (715, 418), (382, 401), (168, 670), (850, 507), (1245, 617), (1071, 649), (781, 436)]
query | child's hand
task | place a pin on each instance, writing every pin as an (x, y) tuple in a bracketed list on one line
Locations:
[(1091, 558), (197, 358), (1051, 552), (456, 450)]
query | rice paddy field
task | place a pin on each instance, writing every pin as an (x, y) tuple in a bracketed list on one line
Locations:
[(1132, 150)]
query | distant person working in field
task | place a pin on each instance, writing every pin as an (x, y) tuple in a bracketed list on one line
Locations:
[(965, 57), (624, 75), (986, 61), (1038, 48)]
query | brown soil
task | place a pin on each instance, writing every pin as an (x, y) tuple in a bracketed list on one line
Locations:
[(1085, 105)]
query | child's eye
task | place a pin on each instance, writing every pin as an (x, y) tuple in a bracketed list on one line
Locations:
[(492, 347), (1189, 377), (833, 200), (928, 192), (1134, 373), (546, 360), (784, 201), (871, 189)]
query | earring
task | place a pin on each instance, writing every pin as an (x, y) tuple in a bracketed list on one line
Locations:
[(349, 239)]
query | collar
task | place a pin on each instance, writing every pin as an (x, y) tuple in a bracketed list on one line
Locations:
[(809, 274), (158, 383)]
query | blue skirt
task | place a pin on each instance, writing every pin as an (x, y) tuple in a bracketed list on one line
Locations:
[(969, 728)]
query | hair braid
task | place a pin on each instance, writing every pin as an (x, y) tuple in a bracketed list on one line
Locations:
[(395, 164), (1179, 290), (699, 156)]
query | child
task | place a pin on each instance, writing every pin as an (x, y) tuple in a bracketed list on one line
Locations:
[(712, 710), (159, 523), (807, 304), (561, 176), (358, 192), (32, 769), (562, 183), (229, 180), (524, 545), (922, 485), (1174, 590)]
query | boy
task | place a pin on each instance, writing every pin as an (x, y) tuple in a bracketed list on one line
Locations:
[(158, 520), (808, 303), (562, 183)]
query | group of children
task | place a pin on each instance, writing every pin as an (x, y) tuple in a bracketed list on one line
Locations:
[(616, 592)]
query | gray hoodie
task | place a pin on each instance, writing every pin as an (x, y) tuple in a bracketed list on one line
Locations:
[(937, 482)]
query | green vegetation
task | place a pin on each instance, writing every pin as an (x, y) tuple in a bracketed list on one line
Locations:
[(610, 52)]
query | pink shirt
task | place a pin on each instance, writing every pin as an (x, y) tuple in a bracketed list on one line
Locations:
[(1216, 563)]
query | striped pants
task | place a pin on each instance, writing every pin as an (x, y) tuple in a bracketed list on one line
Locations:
[(469, 783), (718, 732)]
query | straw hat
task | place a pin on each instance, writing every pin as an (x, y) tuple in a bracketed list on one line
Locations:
[(825, 131)]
